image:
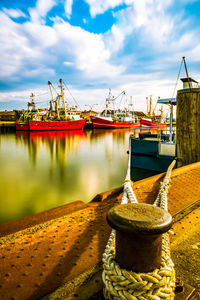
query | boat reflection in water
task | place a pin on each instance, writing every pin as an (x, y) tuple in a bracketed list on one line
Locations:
[(43, 170), (59, 143)]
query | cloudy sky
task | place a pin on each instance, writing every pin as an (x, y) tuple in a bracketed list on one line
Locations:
[(93, 45)]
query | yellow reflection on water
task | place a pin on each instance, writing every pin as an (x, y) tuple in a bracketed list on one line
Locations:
[(41, 170)]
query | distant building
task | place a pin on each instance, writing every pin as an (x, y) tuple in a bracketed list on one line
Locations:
[(87, 114), (8, 115)]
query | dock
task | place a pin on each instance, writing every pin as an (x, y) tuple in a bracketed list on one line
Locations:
[(57, 254)]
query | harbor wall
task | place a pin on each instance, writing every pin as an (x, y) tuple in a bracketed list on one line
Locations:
[(188, 126)]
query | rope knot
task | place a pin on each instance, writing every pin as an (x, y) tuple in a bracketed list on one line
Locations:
[(122, 284)]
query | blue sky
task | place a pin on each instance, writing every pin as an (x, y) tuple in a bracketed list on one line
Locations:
[(93, 45)]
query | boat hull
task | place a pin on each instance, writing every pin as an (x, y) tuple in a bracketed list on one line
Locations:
[(151, 154), (98, 122), (22, 126), (148, 123), (31, 125)]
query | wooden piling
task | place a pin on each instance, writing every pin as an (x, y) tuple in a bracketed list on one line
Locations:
[(188, 126)]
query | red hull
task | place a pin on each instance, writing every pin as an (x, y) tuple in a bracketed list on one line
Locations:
[(103, 123), (30, 125), (148, 123)]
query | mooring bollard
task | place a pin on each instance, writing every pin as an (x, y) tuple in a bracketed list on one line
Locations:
[(139, 228)]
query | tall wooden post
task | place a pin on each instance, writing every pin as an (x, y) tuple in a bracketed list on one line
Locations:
[(188, 126)]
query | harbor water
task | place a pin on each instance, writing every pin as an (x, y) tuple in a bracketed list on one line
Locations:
[(42, 170)]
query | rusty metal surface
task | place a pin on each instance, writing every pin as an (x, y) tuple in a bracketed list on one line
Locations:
[(37, 260), (39, 218), (185, 248), (184, 189)]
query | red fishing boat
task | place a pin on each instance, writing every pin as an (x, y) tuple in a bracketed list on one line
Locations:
[(109, 122), (30, 125), (149, 123), (114, 118), (58, 117)]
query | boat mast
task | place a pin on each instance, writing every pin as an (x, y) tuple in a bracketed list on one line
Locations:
[(150, 105), (107, 102), (62, 96), (51, 101), (131, 109), (32, 103)]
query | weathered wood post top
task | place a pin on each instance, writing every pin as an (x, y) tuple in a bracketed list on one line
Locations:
[(188, 123)]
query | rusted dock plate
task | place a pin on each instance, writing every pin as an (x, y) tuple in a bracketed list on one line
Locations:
[(60, 251)]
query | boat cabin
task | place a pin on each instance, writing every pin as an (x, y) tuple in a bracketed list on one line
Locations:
[(189, 83)]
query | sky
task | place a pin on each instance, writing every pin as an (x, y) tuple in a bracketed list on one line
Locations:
[(93, 45)]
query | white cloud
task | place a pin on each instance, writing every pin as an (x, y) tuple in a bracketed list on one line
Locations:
[(12, 46), (24, 51), (41, 10), (36, 45), (44, 6), (68, 7), (151, 19), (14, 13), (99, 7), (43, 36), (114, 38), (89, 51), (68, 63)]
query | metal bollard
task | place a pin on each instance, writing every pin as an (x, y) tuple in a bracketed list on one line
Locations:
[(139, 228)]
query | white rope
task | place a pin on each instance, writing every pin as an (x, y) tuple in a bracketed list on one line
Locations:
[(123, 284), (128, 191)]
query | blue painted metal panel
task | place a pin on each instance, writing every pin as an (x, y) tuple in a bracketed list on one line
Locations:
[(144, 147), (167, 101), (159, 164), (145, 155)]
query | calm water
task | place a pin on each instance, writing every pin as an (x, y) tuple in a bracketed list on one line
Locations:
[(46, 169)]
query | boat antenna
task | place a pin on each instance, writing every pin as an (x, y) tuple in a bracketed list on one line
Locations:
[(186, 72), (71, 95)]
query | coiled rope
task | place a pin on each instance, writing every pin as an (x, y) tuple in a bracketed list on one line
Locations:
[(122, 284)]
